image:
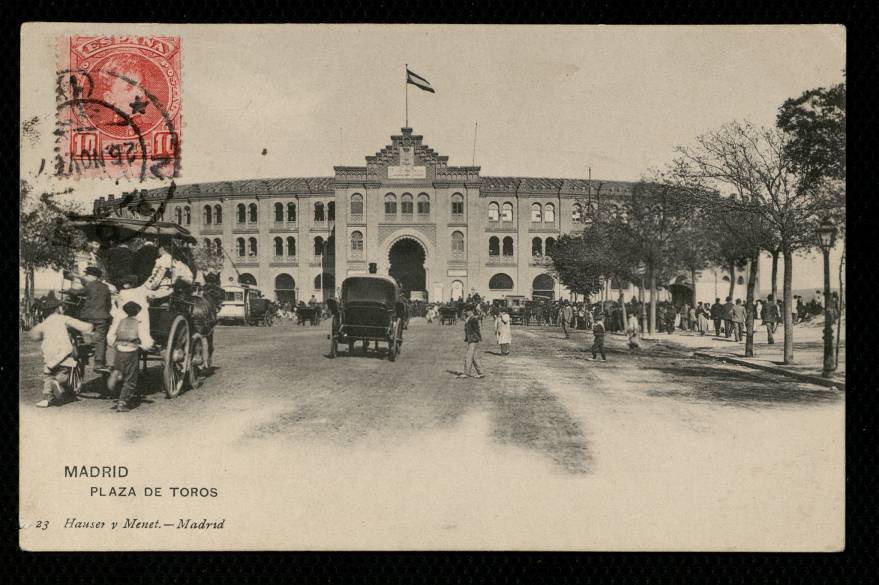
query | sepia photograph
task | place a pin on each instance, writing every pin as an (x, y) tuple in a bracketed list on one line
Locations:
[(432, 287)]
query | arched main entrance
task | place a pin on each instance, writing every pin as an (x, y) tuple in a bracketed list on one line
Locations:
[(406, 258), (246, 278), (285, 289), (543, 286)]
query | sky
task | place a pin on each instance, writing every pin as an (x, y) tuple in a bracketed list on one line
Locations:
[(550, 101)]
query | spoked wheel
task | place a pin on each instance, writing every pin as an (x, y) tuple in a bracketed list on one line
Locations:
[(176, 357), (393, 343), (74, 380), (334, 339), (198, 360), (268, 319)]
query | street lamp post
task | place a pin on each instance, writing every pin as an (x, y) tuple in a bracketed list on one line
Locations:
[(826, 233)]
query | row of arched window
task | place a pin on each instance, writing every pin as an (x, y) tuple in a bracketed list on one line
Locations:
[(183, 215), (537, 247), (495, 248), (407, 204), (541, 283)]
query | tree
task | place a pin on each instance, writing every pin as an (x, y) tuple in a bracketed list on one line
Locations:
[(46, 239), (754, 163), (207, 259)]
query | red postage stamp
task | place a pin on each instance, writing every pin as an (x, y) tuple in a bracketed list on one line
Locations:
[(118, 107)]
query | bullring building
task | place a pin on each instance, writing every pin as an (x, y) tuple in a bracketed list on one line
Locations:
[(443, 230)]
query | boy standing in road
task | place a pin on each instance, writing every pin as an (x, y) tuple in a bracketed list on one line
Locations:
[(598, 343), (472, 336), (128, 336)]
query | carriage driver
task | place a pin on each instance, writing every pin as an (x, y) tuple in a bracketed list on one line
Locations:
[(166, 271)]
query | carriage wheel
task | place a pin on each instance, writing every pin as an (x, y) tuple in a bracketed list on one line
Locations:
[(198, 360), (334, 338), (74, 381), (393, 344), (176, 358), (268, 319)]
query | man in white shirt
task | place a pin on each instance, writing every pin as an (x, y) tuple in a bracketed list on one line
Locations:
[(159, 283), (58, 351)]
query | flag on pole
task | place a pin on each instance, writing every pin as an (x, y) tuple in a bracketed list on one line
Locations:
[(418, 81)]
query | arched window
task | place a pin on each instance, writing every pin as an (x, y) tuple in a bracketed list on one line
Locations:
[(740, 280), (457, 204), (318, 246), (423, 204), (279, 212), (206, 243), (406, 206), (390, 204), (253, 212), (550, 246), (494, 246), (319, 211), (218, 246), (500, 281), (507, 211), (331, 211), (324, 281), (291, 212), (252, 250), (239, 247), (457, 243), (536, 213), (543, 282), (537, 247), (356, 243), (178, 215), (291, 246), (725, 278), (285, 288), (614, 210), (187, 214), (508, 246), (242, 213), (207, 215), (493, 211), (549, 213), (247, 278), (279, 246), (218, 214), (576, 212), (357, 204)]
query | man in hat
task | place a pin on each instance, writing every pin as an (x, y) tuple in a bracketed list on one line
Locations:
[(566, 316), (771, 317), (95, 309), (472, 336), (58, 351)]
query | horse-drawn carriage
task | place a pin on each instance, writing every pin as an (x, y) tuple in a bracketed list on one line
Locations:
[(245, 304), (181, 325), (308, 314), (369, 309), (448, 314)]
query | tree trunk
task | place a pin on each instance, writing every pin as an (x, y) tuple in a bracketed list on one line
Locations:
[(775, 274), (732, 279), (693, 282), (652, 323), (749, 306), (788, 293), (623, 307), (641, 303), (29, 277)]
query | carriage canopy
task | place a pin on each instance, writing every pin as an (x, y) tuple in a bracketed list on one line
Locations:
[(370, 289), (115, 229)]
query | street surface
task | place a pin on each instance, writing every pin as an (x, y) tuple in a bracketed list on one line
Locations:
[(550, 450)]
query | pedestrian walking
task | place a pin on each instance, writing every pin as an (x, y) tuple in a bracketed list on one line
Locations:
[(717, 316), (738, 319), (691, 320), (598, 338), (727, 316), (503, 332), (633, 330), (472, 336), (566, 315), (703, 315), (95, 309), (771, 317)]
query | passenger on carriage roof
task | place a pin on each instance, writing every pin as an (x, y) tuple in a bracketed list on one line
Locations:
[(160, 282)]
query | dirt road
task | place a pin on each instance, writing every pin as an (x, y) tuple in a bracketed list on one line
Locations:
[(550, 450)]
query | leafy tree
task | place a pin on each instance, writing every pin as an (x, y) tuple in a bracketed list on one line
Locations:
[(207, 259), (46, 239), (754, 164)]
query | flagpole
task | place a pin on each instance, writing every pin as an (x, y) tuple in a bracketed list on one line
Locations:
[(406, 89)]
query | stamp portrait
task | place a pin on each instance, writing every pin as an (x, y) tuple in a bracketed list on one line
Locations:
[(118, 107)]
